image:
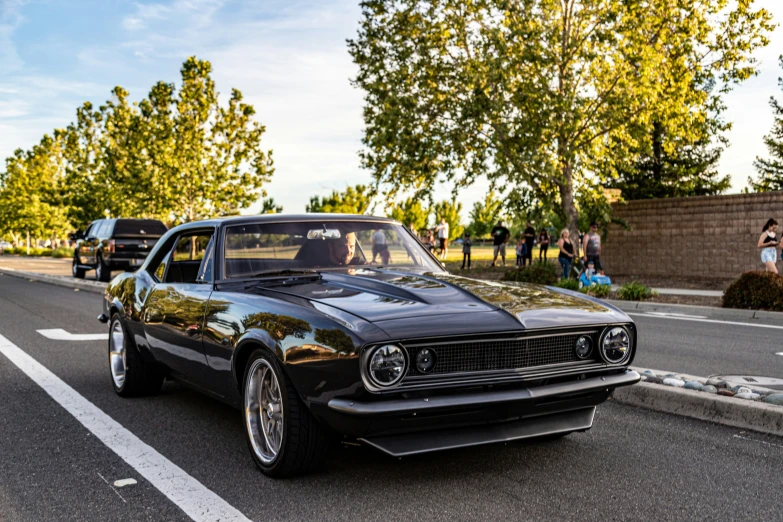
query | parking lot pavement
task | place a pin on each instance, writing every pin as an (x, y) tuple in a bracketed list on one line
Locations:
[(633, 465)]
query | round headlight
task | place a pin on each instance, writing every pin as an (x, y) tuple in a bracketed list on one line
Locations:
[(615, 345), (425, 360), (387, 365), (584, 345)]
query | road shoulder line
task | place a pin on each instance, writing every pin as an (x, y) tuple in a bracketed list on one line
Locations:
[(196, 500)]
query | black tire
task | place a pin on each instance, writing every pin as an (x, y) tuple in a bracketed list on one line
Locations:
[(141, 377), (77, 271), (102, 271), (304, 442)]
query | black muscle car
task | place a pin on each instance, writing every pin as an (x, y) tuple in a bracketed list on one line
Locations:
[(325, 324)]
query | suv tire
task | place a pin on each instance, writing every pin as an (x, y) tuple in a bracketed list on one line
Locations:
[(102, 272), (77, 271)]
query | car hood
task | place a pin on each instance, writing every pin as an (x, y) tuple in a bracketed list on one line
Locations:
[(379, 295)]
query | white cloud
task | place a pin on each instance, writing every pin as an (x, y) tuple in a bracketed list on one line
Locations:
[(10, 19)]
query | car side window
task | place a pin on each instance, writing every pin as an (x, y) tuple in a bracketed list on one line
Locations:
[(160, 272), (102, 228), (187, 257), (207, 264), (91, 229)]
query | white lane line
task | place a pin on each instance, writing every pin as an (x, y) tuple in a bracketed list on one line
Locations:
[(706, 320), (58, 334), (759, 441), (195, 499), (779, 353), (672, 314)]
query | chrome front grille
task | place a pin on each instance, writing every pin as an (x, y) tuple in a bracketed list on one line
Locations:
[(502, 354)]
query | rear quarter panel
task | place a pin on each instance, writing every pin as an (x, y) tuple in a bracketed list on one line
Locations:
[(125, 295)]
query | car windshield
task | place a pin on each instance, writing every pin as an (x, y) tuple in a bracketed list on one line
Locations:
[(254, 249)]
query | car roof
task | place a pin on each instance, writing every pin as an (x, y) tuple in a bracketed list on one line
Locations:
[(282, 218)]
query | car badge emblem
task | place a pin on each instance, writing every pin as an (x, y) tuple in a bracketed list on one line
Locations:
[(142, 232), (328, 292)]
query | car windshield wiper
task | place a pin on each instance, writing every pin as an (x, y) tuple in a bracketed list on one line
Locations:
[(287, 273)]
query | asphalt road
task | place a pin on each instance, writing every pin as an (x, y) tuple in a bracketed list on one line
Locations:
[(633, 465), (44, 265), (701, 348)]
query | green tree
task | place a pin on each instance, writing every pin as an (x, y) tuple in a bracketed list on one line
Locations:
[(770, 171), (177, 155), (530, 92), (663, 166), (30, 193), (410, 211), (450, 211), (268, 206), (353, 200), (485, 215)]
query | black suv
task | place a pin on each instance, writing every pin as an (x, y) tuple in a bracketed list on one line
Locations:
[(114, 244)]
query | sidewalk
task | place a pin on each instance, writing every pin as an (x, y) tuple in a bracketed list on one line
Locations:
[(683, 291)]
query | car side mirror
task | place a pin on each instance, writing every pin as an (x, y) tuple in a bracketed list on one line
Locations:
[(76, 235)]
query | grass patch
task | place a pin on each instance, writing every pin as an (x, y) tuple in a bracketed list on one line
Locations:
[(634, 291)]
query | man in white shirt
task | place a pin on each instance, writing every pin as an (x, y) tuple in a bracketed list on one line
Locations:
[(443, 237), (379, 245)]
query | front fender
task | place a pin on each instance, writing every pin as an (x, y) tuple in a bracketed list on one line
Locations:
[(244, 346)]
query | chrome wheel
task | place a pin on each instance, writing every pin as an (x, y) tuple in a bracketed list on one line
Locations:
[(74, 267), (117, 354), (264, 410), (99, 270)]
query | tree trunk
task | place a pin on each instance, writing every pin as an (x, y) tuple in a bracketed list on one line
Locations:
[(566, 187)]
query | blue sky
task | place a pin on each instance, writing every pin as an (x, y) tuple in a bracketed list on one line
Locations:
[(288, 58)]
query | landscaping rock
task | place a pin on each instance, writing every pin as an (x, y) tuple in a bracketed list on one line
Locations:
[(677, 383), (726, 393), (653, 380), (723, 385), (714, 382), (710, 389), (748, 396), (670, 376), (693, 385), (775, 398), (741, 389)]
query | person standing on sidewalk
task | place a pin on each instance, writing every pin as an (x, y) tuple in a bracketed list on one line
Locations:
[(543, 244), (530, 239), (466, 244), (378, 244), (566, 255), (768, 243), (443, 238), (501, 235), (592, 247)]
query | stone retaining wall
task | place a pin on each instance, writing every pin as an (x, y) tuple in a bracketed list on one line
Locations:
[(712, 237)]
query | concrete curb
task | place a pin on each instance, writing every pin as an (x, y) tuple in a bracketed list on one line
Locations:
[(710, 312), (66, 282), (739, 413)]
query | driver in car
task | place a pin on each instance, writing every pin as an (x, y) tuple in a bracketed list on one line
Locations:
[(342, 251)]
